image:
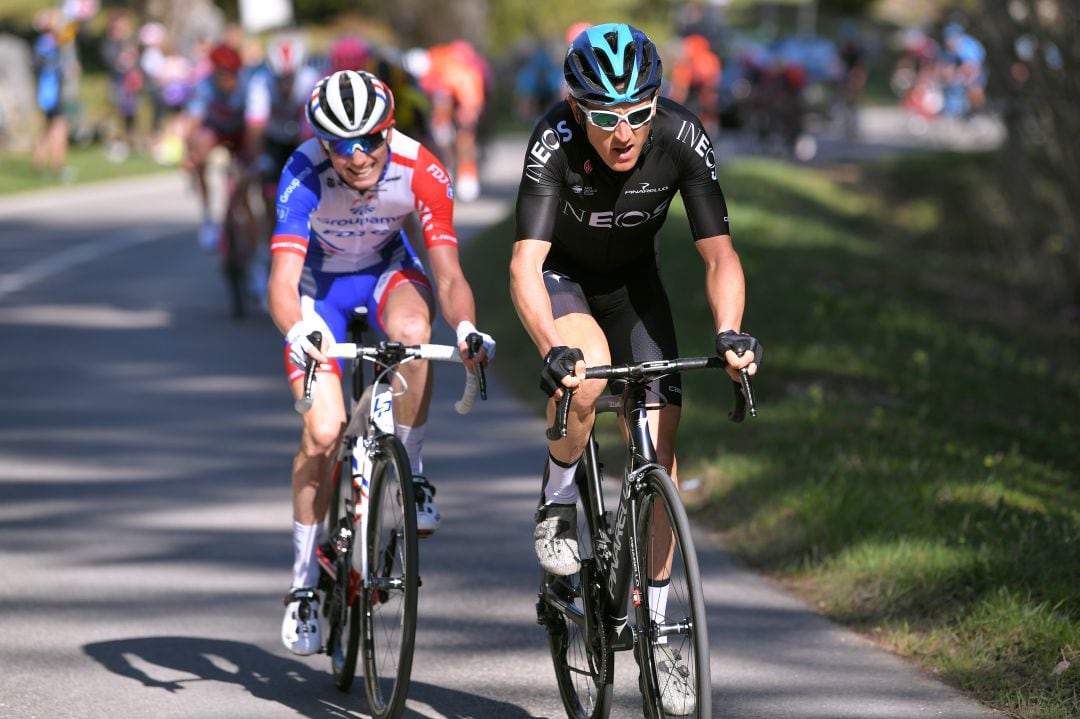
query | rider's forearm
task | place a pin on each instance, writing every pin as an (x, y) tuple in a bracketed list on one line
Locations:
[(456, 300), (533, 306), (283, 291), (725, 288)]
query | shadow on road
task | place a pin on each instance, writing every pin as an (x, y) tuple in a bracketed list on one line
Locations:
[(174, 663)]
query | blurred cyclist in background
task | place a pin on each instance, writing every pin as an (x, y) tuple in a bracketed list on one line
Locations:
[(215, 116), (695, 81), (274, 115), (454, 77)]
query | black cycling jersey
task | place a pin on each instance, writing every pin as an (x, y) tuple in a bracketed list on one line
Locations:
[(599, 221)]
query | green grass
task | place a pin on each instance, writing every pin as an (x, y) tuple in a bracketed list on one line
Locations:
[(89, 163), (913, 469)]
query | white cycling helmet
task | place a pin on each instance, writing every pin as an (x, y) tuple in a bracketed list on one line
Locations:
[(348, 104), (285, 54)]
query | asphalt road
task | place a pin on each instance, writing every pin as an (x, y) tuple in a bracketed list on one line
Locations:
[(145, 442)]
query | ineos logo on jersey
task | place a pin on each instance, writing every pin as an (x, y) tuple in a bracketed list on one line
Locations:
[(696, 137), (541, 150), (609, 218)]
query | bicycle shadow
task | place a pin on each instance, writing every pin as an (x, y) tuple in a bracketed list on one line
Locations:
[(291, 683)]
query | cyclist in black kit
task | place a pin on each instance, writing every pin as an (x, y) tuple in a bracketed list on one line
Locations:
[(599, 175)]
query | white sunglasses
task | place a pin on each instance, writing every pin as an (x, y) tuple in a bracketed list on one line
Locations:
[(609, 119)]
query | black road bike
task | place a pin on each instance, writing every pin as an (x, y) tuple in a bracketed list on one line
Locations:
[(639, 586)]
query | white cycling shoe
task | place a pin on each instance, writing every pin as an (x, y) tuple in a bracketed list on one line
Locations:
[(428, 518), (300, 628), (555, 539), (677, 696)]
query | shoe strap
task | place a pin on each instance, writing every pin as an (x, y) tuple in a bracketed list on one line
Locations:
[(426, 488), (305, 594)]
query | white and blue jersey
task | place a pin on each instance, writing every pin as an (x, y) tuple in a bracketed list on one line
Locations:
[(353, 243)]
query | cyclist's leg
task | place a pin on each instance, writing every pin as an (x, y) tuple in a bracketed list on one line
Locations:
[(322, 424), (311, 469), (200, 142), (555, 538), (577, 327), (404, 309)]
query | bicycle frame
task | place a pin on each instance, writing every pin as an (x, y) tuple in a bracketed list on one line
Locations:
[(362, 432), (615, 548)]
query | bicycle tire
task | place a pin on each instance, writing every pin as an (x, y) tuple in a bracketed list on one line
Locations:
[(233, 268), (389, 595), (570, 609), (682, 620), (342, 602)]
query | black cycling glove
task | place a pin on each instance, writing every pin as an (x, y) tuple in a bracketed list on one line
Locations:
[(739, 343), (558, 363)]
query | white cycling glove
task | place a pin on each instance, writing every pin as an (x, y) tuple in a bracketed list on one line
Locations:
[(299, 344), (465, 328)]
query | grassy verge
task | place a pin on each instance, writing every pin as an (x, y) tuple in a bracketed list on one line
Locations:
[(88, 165), (913, 470)]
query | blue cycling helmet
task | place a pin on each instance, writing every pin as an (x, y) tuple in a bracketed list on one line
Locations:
[(612, 63)]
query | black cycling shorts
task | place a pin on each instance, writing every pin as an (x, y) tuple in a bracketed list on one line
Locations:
[(635, 317)]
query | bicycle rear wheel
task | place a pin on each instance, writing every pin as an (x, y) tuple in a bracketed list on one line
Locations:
[(342, 610), (570, 608), (389, 595), (673, 651)]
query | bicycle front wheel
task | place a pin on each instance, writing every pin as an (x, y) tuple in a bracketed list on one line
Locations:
[(388, 599), (673, 652)]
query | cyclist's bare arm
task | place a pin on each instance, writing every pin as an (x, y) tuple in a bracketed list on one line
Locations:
[(529, 294), (283, 294), (725, 288), (454, 292), (283, 289)]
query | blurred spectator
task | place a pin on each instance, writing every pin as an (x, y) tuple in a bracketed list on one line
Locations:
[(538, 82), (964, 70), (853, 60), (120, 51), (695, 80), (167, 82), (55, 65)]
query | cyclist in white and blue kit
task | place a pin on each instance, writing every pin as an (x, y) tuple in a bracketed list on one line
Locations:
[(339, 243)]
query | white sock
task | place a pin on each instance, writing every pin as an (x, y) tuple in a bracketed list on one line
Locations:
[(413, 439), (560, 487), (305, 571), (658, 594)]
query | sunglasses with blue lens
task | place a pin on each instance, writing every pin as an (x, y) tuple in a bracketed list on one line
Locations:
[(609, 119), (367, 144)]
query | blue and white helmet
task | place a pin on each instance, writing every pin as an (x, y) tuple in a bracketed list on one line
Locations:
[(348, 104), (611, 64)]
